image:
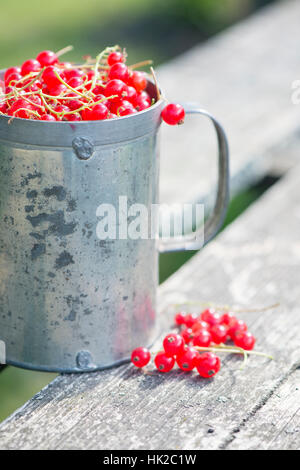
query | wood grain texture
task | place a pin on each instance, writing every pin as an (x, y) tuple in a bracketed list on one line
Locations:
[(255, 262), (277, 424), (243, 76)]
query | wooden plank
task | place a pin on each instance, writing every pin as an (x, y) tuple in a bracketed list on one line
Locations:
[(244, 77), (277, 424), (254, 262)]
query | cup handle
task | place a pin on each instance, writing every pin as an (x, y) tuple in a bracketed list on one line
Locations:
[(213, 224)]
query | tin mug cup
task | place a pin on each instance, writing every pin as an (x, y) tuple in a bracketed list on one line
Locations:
[(71, 301)]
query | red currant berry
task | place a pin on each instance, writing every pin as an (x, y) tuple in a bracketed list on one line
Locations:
[(50, 78), (138, 81), (3, 108), (141, 104), (144, 96), (187, 335), (200, 325), (61, 109), (29, 66), (173, 344), (75, 82), (115, 87), (208, 364), (211, 317), (13, 78), (188, 359), (72, 73), (73, 117), (244, 340), (163, 362), (103, 100), (97, 113), (218, 334), (11, 70), (180, 318), (191, 319), (57, 89), (73, 104), (98, 90), (140, 357), (114, 58), (19, 107), (173, 114), (35, 100), (36, 86), (126, 108), (237, 326), (47, 117), (203, 339), (228, 318), (119, 71), (131, 94), (46, 58)]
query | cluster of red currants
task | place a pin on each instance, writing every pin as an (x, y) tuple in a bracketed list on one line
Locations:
[(46, 89), (195, 345)]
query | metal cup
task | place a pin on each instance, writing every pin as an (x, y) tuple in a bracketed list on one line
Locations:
[(69, 301)]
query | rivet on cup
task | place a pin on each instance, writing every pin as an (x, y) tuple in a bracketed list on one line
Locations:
[(83, 148), (84, 360)]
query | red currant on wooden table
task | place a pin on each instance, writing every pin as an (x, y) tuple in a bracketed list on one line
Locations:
[(236, 326), (191, 319), (200, 325), (208, 365), (187, 335), (173, 344), (202, 338), (180, 318), (228, 318), (211, 317), (163, 362), (207, 336), (244, 340), (140, 357), (218, 333), (188, 359)]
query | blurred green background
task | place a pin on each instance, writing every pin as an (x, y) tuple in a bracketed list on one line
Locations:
[(28, 27)]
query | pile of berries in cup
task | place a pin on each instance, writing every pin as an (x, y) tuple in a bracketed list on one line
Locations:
[(198, 339), (47, 89)]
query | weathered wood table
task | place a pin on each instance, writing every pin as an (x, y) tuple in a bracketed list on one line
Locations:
[(245, 77)]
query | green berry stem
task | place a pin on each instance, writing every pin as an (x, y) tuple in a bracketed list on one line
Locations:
[(64, 51)]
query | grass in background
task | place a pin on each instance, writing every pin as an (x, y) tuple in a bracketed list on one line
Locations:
[(17, 386), (148, 29)]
